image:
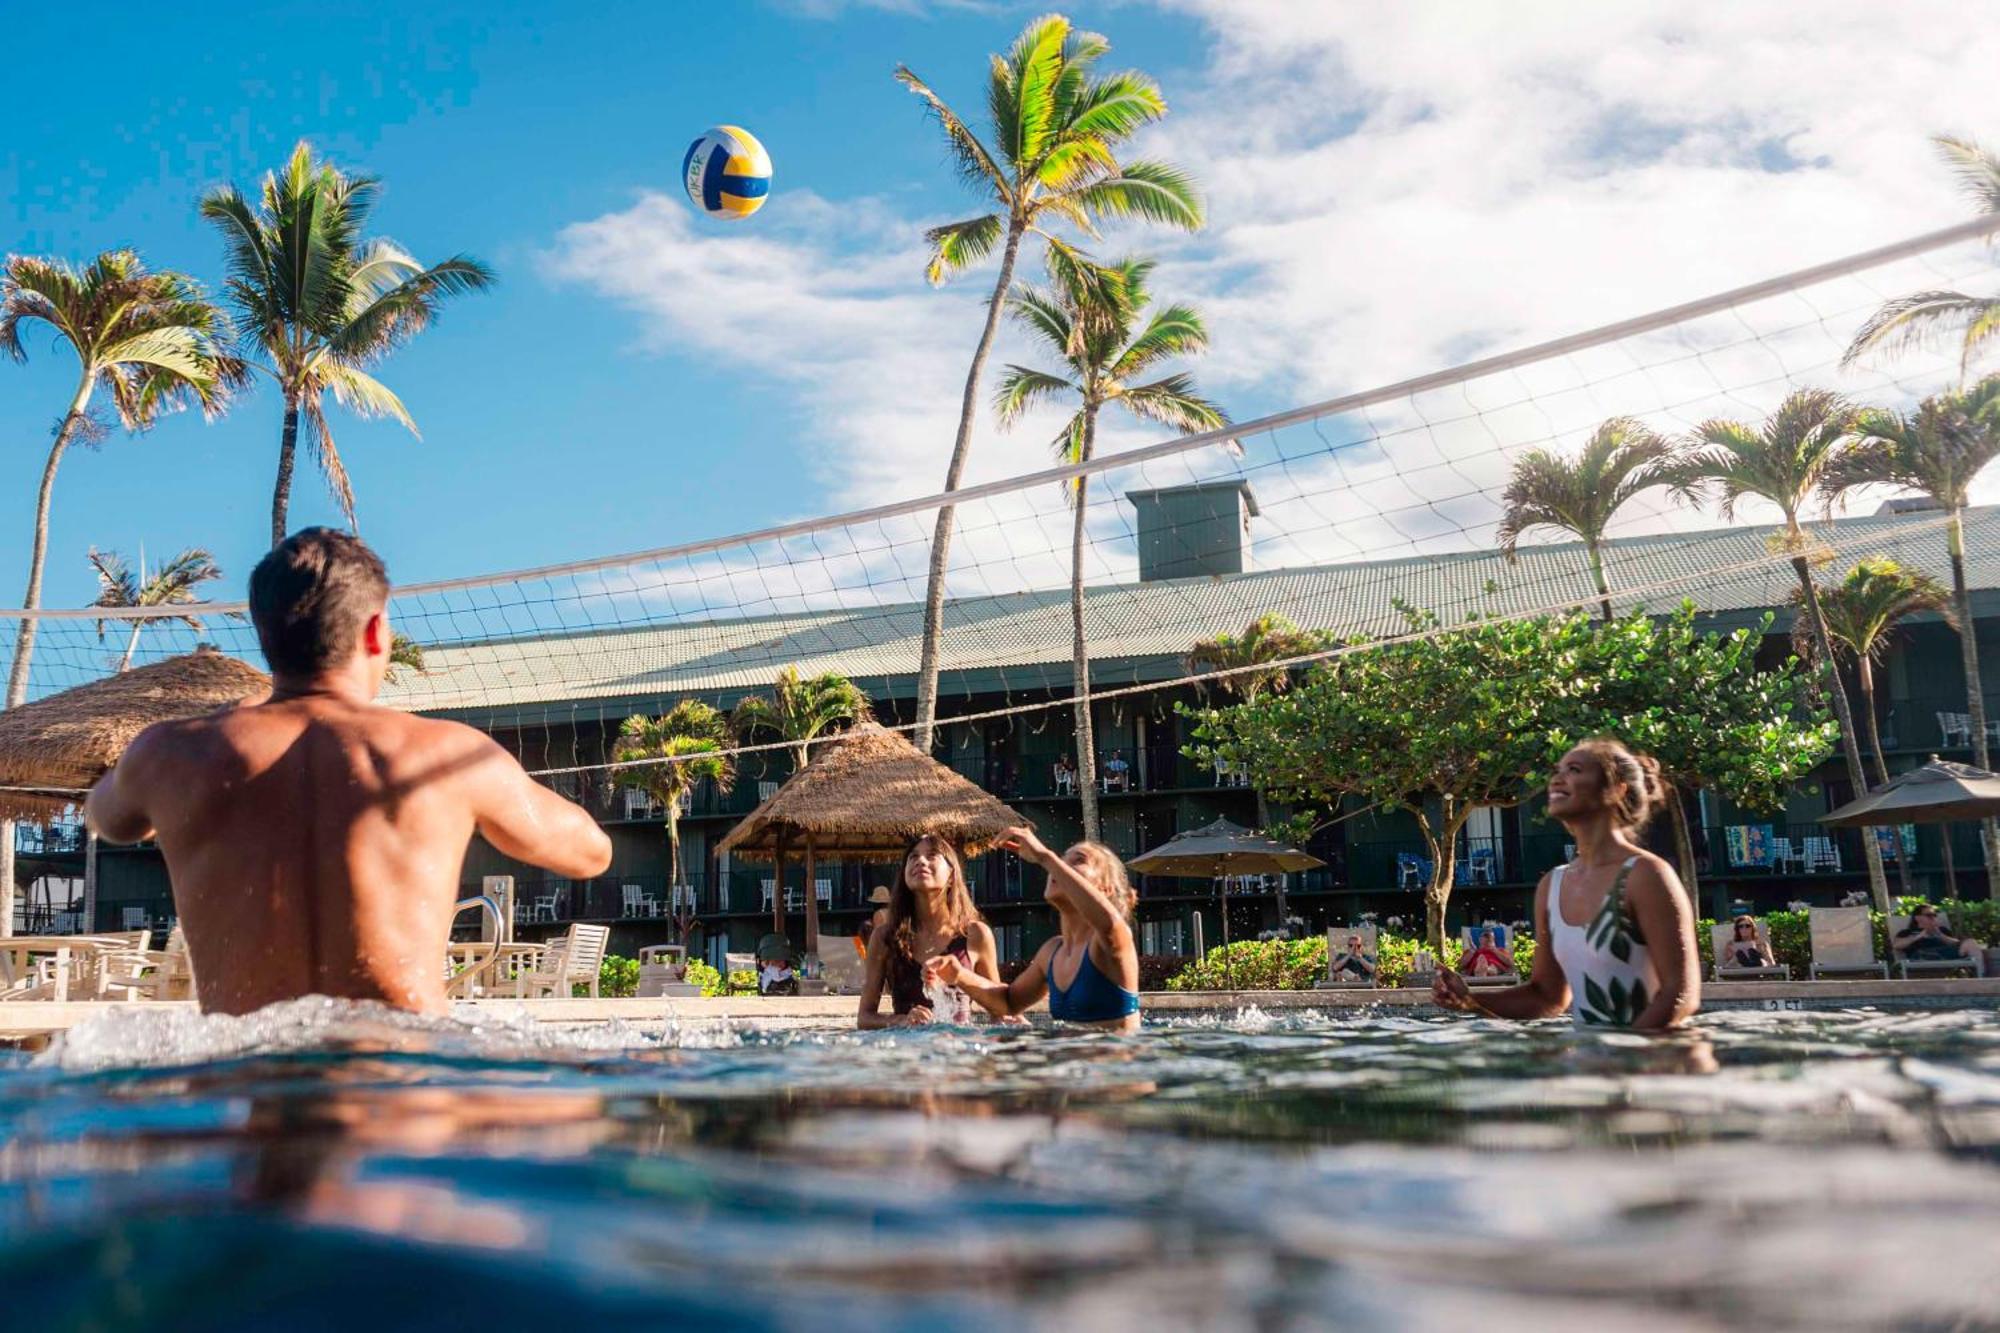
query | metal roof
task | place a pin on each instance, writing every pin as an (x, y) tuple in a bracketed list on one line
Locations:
[(1732, 574)]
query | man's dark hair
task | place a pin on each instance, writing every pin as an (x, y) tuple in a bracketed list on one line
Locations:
[(310, 597)]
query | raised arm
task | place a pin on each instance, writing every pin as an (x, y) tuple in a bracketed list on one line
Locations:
[(527, 821), (1068, 887), (1543, 995), (1002, 999), (1666, 922)]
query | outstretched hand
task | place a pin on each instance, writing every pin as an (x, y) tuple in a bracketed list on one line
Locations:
[(1023, 843), (1449, 991), (943, 970)]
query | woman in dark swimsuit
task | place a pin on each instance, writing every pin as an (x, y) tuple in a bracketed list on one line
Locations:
[(930, 914)]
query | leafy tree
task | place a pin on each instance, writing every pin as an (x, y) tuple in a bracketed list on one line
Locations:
[(1049, 156), (1094, 321), (153, 343), (800, 709), (1862, 612), (405, 654), (674, 753), (1918, 319), (1443, 722), (1937, 451), (320, 304), (1622, 458), (172, 584), (1786, 460)]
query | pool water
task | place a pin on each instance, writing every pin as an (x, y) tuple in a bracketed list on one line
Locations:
[(330, 1166)]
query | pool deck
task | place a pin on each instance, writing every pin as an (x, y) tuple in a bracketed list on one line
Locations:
[(27, 1022)]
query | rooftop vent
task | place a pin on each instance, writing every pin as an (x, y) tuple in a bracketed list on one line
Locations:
[(1908, 504), (1194, 531)]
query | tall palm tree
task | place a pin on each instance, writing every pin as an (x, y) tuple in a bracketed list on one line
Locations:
[(153, 343), (1096, 323), (1581, 495), (1937, 451), (1048, 157), (172, 584), (1862, 612), (320, 304), (1786, 461), (675, 752), (1918, 319)]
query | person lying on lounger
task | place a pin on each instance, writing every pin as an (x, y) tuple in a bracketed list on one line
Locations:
[(1487, 960), (1747, 946), (1925, 940)]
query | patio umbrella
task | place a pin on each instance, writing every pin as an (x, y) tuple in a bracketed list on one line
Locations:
[(1940, 792), (53, 748), (1219, 851), (866, 796)]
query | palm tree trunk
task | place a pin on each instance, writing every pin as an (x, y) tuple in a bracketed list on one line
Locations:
[(1975, 691), (1866, 670), (1086, 744), (131, 646), (1603, 587), (1850, 742), (281, 494), (24, 637), (1684, 843), (927, 666)]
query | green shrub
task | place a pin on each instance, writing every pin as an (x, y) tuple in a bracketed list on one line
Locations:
[(742, 982), (618, 977), (703, 975), (1299, 964)]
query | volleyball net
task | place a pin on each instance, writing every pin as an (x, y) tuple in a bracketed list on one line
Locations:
[(1335, 516)]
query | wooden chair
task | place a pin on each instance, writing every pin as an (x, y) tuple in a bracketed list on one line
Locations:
[(575, 959), (638, 902), (1843, 942)]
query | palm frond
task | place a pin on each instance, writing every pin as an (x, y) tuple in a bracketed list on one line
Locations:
[(365, 396), (1021, 388), (1035, 64), (319, 443), (1175, 331), (1116, 106), (1173, 402), (959, 245), (1977, 169), (1924, 318), (975, 164), (1150, 191)]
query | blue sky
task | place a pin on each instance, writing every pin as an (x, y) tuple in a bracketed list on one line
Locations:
[(1392, 186)]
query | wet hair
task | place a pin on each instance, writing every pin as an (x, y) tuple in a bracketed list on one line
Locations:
[(310, 597), (1639, 774), (959, 912), (1103, 868)]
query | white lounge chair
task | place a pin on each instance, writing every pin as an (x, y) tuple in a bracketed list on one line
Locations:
[(1503, 940), (1720, 936), (1973, 963), (1843, 942), (1347, 978), (823, 891), (135, 918), (1954, 729)]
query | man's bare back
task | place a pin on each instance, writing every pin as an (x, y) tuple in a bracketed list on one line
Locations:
[(315, 840), (315, 843)]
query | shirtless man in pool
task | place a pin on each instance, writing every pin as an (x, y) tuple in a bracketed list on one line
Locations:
[(314, 839)]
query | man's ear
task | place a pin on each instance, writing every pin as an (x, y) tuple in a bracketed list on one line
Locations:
[(375, 635)]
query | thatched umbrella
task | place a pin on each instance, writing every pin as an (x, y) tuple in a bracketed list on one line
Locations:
[(866, 796), (59, 745)]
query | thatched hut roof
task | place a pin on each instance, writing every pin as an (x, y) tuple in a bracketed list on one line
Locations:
[(867, 795), (68, 740)]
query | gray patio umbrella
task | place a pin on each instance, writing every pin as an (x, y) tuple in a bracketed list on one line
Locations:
[(1940, 792), (1218, 851)]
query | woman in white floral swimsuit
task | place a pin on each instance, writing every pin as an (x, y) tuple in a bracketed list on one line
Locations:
[(1614, 930)]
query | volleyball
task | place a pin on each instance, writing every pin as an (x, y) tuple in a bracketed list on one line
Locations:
[(728, 173)]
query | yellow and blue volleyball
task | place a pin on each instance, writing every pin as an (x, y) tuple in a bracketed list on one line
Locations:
[(728, 173)]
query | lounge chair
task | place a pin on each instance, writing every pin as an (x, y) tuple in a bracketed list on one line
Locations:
[(1843, 942), (840, 965), (1720, 936), (1412, 871), (1503, 940), (575, 959), (1336, 948), (1973, 963)]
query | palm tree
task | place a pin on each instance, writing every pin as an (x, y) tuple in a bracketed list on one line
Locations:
[(405, 653), (320, 304), (1621, 458), (172, 584), (674, 753), (1090, 320), (1862, 612), (1917, 319), (153, 343), (1054, 126), (1937, 451), (1785, 461)]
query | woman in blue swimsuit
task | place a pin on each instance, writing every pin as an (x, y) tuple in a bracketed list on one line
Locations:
[(1090, 971)]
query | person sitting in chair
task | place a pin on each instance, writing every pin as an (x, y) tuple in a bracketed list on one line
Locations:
[(1747, 946), (1117, 773), (1065, 775), (1488, 959), (1354, 958), (1925, 940), (777, 978)]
